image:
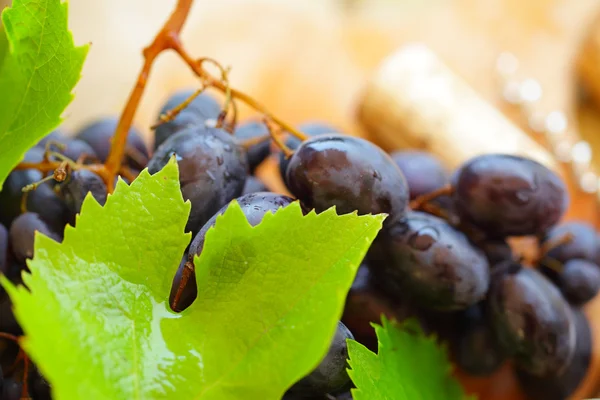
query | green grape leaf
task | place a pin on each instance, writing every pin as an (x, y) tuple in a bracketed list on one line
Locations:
[(97, 320), (39, 67), (409, 365)]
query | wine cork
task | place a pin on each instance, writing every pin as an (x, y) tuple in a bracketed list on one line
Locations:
[(415, 101)]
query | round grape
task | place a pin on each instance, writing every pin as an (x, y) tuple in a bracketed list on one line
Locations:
[(201, 109), (98, 135), (579, 281), (423, 257), (561, 385), (212, 169), (532, 321), (347, 172), (254, 206), (330, 376), (424, 173), (582, 243), (22, 234), (507, 195)]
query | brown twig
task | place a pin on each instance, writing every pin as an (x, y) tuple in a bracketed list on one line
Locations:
[(275, 136), (418, 203), (167, 38)]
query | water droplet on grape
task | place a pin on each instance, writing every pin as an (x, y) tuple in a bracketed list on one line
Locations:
[(424, 238)]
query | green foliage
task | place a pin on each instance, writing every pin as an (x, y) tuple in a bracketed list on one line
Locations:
[(97, 321), (409, 366), (39, 67)]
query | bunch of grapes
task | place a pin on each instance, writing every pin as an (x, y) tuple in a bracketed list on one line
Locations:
[(443, 255)]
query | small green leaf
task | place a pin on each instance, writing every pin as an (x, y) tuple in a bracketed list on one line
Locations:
[(39, 67), (97, 321), (409, 365)]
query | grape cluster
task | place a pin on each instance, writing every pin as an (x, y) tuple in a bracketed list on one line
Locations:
[(47, 207), (444, 255)]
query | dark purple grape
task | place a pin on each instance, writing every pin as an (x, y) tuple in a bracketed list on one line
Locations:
[(42, 200), (254, 185), (507, 195), (330, 376), (582, 244), (311, 129), (365, 304), (423, 257), (496, 251), (532, 321), (579, 281), (424, 173), (560, 386), (212, 169), (260, 151), (202, 108), (75, 148), (76, 187), (98, 135), (56, 135), (22, 234), (475, 349), (3, 249), (11, 390), (254, 206), (348, 172)]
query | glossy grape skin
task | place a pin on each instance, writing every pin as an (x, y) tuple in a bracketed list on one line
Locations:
[(212, 169), (42, 200), (579, 281), (22, 234), (559, 386), (76, 187), (309, 128), (475, 349), (260, 151), (254, 185), (347, 172), (98, 135), (582, 245), (532, 321), (330, 376), (202, 108), (423, 257), (254, 206), (424, 173), (506, 195)]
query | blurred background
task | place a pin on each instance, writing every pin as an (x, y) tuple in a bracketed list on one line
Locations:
[(309, 59), (312, 59)]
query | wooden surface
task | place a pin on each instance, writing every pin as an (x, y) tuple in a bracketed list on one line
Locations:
[(310, 59)]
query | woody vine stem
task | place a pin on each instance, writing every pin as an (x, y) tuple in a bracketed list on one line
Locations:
[(168, 38)]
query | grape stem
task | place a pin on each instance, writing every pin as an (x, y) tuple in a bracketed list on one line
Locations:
[(168, 38), (417, 204)]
